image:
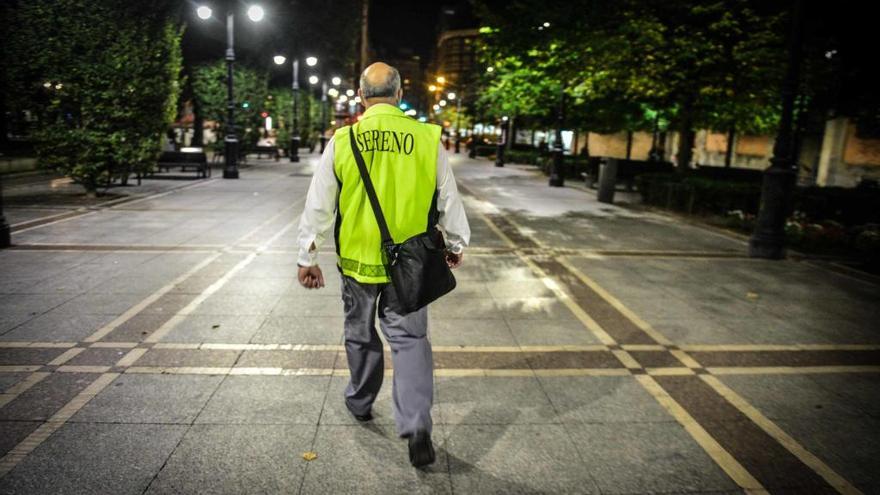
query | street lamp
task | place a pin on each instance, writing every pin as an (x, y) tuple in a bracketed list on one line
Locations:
[(255, 13), (311, 61), (279, 59), (557, 167), (313, 80), (768, 240), (502, 141), (336, 81), (294, 135)]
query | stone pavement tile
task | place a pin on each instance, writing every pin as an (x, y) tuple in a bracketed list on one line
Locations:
[(266, 400), (493, 400), (469, 287), (9, 321), (481, 360), (257, 286), (571, 359), (168, 304), (646, 458), (95, 458), (300, 330), (31, 303), (308, 305), (9, 379), (518, 289), (792, 397), (287, 359), (551, 332), (656, 359), (468, 331), (695, 330), (13, 432), (850, 446), (215, 329), (29, 355), (97, 356), (137, 328), (515, 459), (236, 304), (99, 304), (150, 398), (455, 307), (534, 308), (224, 459), (838, 330), (860, 390), (772, 330), (371, 459), (58, 327), (602, 399), (335, 412), (211, 358), (45, 398)]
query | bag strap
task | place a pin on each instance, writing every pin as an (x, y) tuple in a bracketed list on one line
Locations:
[(387, 240)]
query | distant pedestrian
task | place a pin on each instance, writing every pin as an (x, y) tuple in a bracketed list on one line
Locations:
[(414, 185)]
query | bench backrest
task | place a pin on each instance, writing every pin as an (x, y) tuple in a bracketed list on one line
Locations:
[(181, 157)]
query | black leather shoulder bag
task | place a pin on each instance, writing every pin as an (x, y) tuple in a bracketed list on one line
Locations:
[(417, 266)]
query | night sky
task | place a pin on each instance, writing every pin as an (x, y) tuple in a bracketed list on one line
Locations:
[(328, 29)]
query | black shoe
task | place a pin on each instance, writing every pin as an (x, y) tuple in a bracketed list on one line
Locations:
[(421, 450), (361, 417)]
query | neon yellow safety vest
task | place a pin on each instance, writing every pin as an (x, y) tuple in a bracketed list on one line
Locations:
[(401, 157)]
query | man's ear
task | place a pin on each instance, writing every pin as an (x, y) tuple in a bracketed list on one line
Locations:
[(399, 95)]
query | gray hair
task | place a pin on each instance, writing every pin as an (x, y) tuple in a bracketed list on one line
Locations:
[(387, 89)]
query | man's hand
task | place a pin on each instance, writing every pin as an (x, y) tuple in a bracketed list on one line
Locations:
[(453, 259), (311, 277)]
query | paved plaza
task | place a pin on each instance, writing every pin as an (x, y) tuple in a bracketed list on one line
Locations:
[(159, 343)]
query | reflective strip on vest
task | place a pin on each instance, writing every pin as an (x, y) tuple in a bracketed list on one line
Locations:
[(401, 157)]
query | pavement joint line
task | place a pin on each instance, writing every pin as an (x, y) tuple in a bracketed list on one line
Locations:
[(801, 453), (777, 347), (56, 421), (134, 310), (131, 356), (715, 450), (137, 308), (29, 381), (673, 371), (769, 427), (66, 356), (790, 370), (70, 368), (181, 315), (720, 455), (86, 210), (615, 303)]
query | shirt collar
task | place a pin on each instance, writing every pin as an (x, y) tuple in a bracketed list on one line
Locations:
[(382, 109)]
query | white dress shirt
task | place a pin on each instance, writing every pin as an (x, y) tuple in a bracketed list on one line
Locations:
[(320, 207)]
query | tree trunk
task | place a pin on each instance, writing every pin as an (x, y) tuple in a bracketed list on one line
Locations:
[(629, 144), (728, 153), (685, 149)]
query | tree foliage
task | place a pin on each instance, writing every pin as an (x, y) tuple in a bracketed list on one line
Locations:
[(103, 92), (711, 63)]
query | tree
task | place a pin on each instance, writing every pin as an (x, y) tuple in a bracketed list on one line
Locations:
[(251, 95), (695, 63), (102, 78)]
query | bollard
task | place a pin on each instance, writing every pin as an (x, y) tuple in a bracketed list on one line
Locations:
[(607, 180)]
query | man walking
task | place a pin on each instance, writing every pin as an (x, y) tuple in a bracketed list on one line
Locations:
[(415, 187)]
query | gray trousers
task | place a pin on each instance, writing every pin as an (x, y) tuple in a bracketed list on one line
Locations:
[(412, 390)]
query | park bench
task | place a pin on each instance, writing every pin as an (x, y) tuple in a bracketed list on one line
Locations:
[(197, 161), (271, 151), (627, 170)]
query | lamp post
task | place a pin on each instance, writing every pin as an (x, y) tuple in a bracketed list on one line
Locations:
[(457, 119), (323, 115), (557, 169), (294, 134), (502, 141), (255, 13), (768, 240), (5, 232)]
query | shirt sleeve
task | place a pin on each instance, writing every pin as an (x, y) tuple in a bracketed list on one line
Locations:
[(320, 208), (453, 220)]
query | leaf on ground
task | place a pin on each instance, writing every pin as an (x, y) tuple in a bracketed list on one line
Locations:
[(752, 295), (310, 456), (216, 325)]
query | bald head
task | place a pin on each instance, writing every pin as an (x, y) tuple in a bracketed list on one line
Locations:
[(380, 83)]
